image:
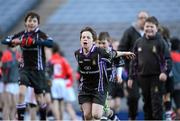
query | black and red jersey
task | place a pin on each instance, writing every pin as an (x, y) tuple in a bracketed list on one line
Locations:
[(34, 55)]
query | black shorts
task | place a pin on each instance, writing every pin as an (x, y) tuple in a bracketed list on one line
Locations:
[(47, 86), (93, 97), (176, 96), (115, 90), (34, 78)]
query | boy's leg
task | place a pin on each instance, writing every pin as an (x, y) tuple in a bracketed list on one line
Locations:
[(39, 83), (145, 86), (176, 97), (42, 105), (167, 99), (97, 111), (132, 100), (32, 111), (169, 113), (71, 111), (87, 110), (105, 111), (156, 97), (108, 112), (55, 109), (21, 106), (6, 105)]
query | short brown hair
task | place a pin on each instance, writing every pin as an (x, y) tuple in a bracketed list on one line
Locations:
[(89, 29), (104, 36), (32, 15), (153, 20)]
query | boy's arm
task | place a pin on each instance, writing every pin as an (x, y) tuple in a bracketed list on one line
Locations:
[(44, 40), (47, 42), (128, 55), (12, 40), (166, 62)]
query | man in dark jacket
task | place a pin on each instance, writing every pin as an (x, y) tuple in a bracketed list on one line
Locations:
[(126, 44)]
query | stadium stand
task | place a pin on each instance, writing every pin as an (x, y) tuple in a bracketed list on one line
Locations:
[(105, 15), (11, 11)]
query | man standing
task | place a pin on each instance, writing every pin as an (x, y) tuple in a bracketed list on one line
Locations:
[(126, 44)]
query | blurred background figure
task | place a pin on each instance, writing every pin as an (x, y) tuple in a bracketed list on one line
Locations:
[(175, 55), (126, 44), (10, 78), (62, 82), (115, 91), (169, 84)]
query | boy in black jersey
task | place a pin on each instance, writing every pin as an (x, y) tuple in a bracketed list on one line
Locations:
[(151, 66), (115, 89), (32, 73), (93, 83)]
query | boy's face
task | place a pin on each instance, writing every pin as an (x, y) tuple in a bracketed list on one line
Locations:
[(150, 29), (97, 43), (86, 39), (31, 23), (103, 44)]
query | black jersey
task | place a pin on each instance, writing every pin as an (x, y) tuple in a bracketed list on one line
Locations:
[(152, 57), (92, 68), (111, 66), (33, 56)]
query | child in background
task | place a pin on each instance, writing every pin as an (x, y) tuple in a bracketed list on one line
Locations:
[(32, 42), (151, 68)]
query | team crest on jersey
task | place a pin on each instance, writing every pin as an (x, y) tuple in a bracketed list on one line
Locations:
[(94, 62), (139, 49), (154, 49)]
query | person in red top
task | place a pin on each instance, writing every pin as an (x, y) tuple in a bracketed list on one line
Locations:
[(10, 76), (59, 71)]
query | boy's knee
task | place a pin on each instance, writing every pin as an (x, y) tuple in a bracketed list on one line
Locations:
[(96, 116), (87, 116), (21, 97)]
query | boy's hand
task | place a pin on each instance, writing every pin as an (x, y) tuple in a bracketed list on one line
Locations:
[(163, 77), (119, 80), (16, 41), (130, 82), (129, 55)]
